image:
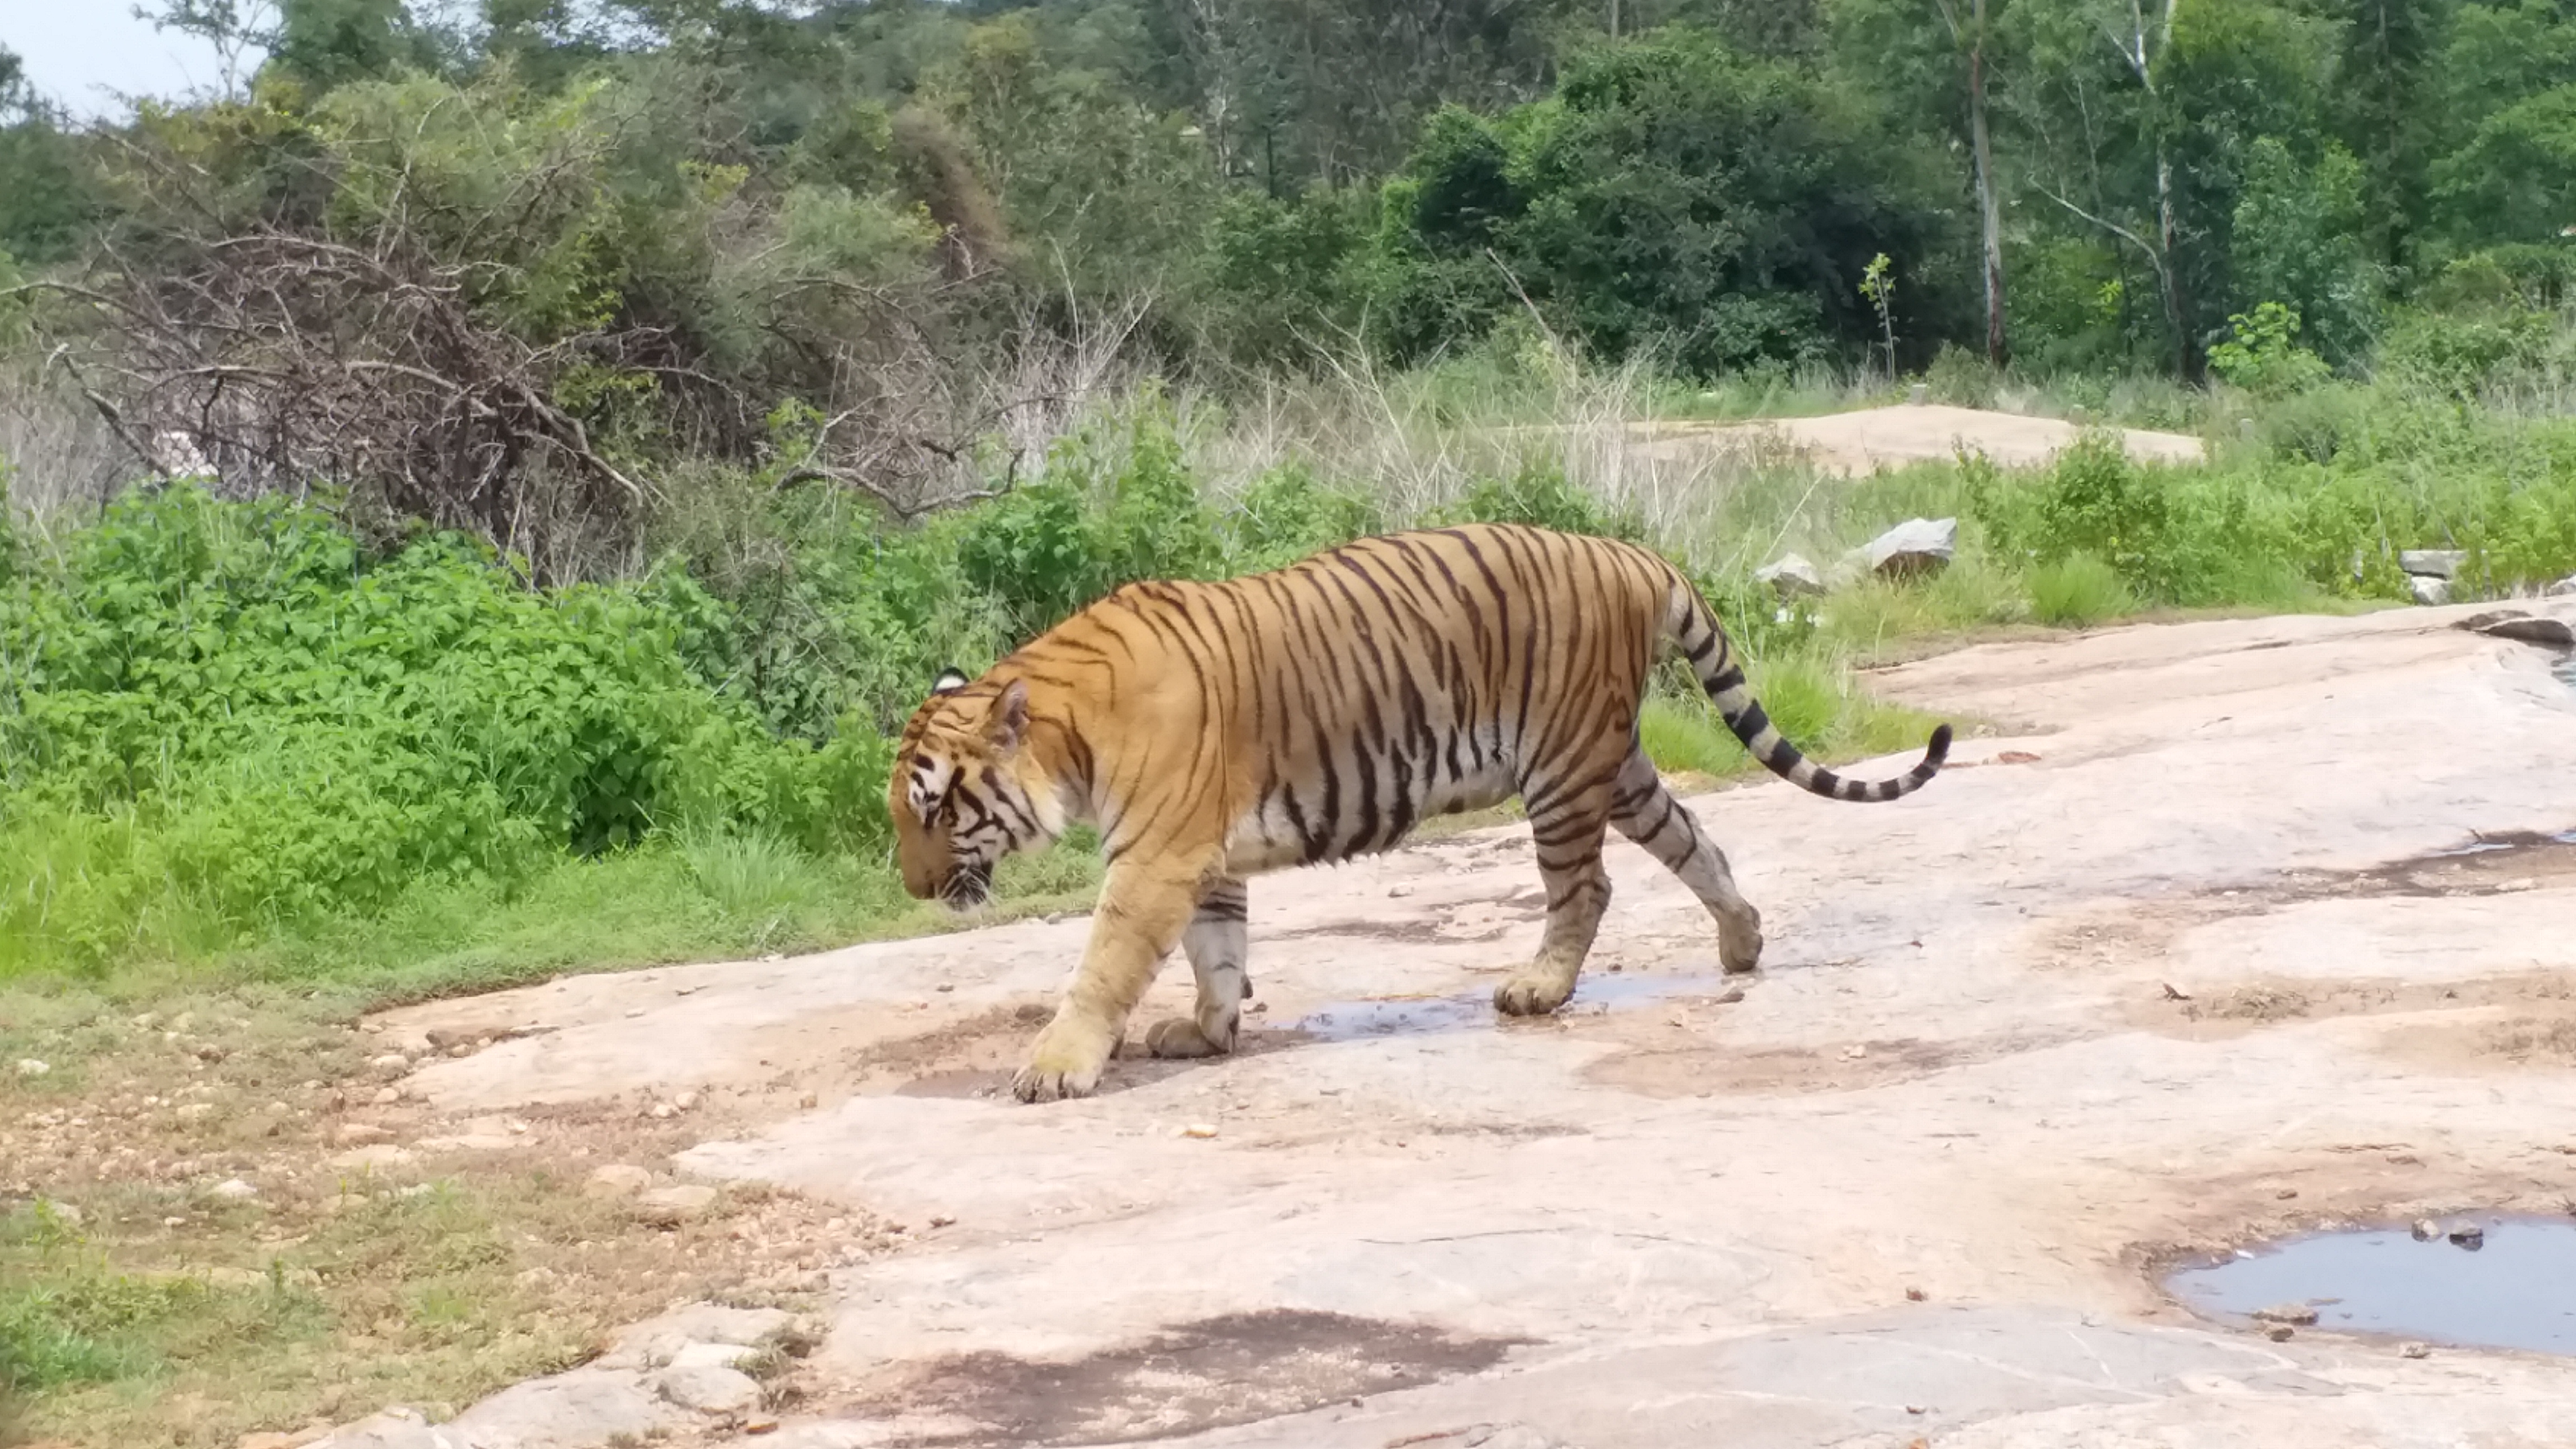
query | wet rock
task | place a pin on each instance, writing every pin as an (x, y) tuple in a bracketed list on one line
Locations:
[(2468, 1235), (582, 1409), (2430, 590), (669, 1207), (2432, 563), (709, 1388), (2426, 1230), (2552, 633), (1913, 548), (1791, 576), (2299, 1314), (617, 1179)]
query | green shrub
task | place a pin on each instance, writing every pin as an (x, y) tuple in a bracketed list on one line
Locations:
[(2262, 354), (2078, 591)]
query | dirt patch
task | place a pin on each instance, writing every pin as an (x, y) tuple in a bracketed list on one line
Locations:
[(2252, 1005), (1239, 1368), (1866, 439)]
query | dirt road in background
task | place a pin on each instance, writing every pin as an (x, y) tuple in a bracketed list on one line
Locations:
[(2174, 960), (1861, 442)]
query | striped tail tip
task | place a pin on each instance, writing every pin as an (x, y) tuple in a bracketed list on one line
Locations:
[(1936, 753)]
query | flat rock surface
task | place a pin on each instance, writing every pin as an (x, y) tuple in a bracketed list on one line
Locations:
[(2180, 953), (1872, 438)]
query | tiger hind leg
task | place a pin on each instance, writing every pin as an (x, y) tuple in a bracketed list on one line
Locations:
[(1216, 943), (1567, 828), (1646, 812)]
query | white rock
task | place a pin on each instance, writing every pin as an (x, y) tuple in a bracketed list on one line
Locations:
[(360, 1134), (713, 1355), (392, 1429), (392, 1064), (659, 1341), (2432, 563), (235, 1190), (1791, 576), (709, 1388), (2564, 588), (583, 1409), (30, 1067), (2430, 590), (375, 1155), (1916, 546)]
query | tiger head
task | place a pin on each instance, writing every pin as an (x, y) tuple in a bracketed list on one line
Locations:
[(957, 792)]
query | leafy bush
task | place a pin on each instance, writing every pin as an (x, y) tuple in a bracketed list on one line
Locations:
[(227, 713), (2262, 354)]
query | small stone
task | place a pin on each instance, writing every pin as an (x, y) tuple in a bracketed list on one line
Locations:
[(1199, 1129), (631, 1015), (387, 1096), (360, 1134), (659, 1111), (1730, 996), (195, 1112), (30, 1067), (2279, 1333), (688, 1101), (2564, 588), (709, 1389), (461, 1050), (391, 1064), (757, 1425), (2468, 1235), (372, 1156), (1791, 576), (669, 1207), (2297, 1313), (234, 1190), (1855, 1052), (617, 1179), (939, 1220), (1399, 890), (1913, 1295), (2429, 590), (2286, 1193), (2414, 1350), (2426, 1230)]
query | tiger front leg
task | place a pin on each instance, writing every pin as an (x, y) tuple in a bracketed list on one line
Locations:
[(1140, 919), (1568, 838), (1216, 945)]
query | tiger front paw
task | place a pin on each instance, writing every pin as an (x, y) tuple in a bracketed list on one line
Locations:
[(1061, 1066), (1523, 996)]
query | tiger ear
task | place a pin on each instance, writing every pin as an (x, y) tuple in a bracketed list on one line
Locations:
[(1010, 717), (950, 681)]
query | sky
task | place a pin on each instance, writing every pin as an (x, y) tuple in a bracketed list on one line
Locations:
[(81, 51)]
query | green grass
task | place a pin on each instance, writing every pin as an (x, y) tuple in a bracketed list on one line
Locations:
[(1815, 699)]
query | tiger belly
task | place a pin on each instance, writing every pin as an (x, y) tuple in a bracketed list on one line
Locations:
[(1290, 827)]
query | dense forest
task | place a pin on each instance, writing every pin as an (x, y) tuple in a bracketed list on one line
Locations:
[(472, 445)]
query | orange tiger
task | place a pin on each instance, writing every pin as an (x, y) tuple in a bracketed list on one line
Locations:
[(1213, 731)]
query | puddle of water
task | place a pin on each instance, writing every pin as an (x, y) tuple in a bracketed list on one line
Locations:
[(2481, 845), (1430, 1015), (2515, 1289)]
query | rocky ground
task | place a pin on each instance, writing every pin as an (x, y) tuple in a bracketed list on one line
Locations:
[(2183, 953)]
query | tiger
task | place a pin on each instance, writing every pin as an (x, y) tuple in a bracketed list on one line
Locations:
[(1213, 731)]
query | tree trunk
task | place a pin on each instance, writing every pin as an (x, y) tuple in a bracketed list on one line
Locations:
[(2168, 238), (1989, 213)]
